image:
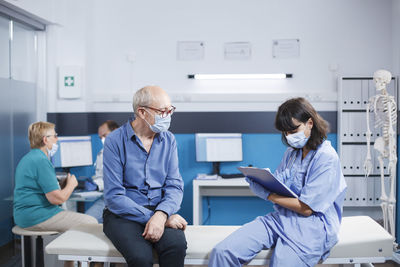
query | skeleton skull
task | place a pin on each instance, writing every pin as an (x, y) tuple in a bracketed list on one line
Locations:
[(381, 79)]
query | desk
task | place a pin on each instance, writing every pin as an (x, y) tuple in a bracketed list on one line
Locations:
[(218, 187), (79, 197), (82, 197)]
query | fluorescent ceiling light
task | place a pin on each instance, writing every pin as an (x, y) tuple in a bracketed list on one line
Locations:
[(239, 76)]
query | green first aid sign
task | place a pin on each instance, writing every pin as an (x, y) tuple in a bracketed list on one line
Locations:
[(69, 81)]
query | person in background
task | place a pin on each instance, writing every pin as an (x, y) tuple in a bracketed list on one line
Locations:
[(143, 188), (37, 193), (96, 210), (303, 229)]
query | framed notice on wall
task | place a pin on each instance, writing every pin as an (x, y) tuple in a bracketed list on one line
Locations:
[(187, 51), (286, 48), (237, 51)]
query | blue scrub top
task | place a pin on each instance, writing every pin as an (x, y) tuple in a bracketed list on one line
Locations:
[(34, 177), (318, 181)]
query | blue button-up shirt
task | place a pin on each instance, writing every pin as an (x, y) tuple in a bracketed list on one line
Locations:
[(134, 178)]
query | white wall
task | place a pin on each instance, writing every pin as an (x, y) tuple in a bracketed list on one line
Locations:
[(357, 35), (396, 37)]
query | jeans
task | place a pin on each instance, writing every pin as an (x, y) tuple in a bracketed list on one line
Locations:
[(126, 235)]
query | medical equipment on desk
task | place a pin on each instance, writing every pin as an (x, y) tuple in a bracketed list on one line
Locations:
[(384, 108), (217, 148), (74, 151)]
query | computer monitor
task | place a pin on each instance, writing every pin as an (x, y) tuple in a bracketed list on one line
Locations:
[(73, 151), (218, 147)]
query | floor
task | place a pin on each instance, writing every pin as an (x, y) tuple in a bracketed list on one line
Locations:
[(387, 264), (10, 255)]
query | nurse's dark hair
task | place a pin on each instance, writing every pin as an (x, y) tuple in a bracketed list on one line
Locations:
[(301, 110)]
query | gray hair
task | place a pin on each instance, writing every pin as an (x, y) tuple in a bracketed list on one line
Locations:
[(142, 97)]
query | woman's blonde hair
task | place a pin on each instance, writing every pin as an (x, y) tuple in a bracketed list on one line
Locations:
[(37, 131)]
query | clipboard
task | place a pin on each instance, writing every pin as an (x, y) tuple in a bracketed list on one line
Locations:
[(267, 179)]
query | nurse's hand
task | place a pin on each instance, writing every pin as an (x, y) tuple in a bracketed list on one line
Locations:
[(176, 221), (71, 181), (155, 227), (258, 189)]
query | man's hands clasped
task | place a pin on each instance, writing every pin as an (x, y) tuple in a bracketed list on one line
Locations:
[(177, 222), (154, 228)]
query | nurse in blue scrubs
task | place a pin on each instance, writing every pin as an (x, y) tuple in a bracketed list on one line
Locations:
[(302, 230)]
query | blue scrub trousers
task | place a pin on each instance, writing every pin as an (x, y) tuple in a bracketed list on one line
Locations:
[(246, 242)]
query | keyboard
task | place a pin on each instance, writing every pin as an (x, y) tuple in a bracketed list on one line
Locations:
[(232, 175)]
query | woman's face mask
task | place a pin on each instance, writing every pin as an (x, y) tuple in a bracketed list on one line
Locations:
[(51, 152), (297, 140), (52, 138)]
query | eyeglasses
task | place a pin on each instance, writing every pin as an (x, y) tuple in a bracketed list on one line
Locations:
[(163, 112), (55, 135)]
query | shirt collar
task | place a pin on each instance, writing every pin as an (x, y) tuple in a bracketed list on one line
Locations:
[(130, 132), (41, 153)]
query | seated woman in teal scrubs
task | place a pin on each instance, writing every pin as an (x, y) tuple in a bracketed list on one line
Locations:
[(303, 229), (37, 194)]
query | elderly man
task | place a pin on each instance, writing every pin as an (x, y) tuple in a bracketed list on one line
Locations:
[(96, 210), (143, 188)]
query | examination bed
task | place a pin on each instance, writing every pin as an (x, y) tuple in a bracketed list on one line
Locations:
[(361, 240)]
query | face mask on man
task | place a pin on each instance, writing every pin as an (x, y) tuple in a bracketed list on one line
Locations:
[(297, 140), (51, 152), (160, 124)]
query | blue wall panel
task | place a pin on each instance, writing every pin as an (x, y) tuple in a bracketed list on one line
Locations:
[(261, 147), (261, 150)]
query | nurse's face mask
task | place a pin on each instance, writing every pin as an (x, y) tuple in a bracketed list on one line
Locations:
[(300, 137), (52, 139)]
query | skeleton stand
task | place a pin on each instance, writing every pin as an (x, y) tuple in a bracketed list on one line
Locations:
[(384, 107)]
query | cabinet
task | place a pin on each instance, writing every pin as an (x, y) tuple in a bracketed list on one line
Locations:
[(353, 96)]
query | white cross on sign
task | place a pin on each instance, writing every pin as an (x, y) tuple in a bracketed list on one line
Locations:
[(69, 81)]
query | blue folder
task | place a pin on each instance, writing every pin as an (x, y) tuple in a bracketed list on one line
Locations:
[(267, 179)]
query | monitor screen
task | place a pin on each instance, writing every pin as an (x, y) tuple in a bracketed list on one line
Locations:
[(219, 147), (73, 151)]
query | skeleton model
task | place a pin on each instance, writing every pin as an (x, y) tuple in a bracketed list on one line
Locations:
[(384, 107)]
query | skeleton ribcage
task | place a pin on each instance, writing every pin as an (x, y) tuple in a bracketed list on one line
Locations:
[(383, 113)]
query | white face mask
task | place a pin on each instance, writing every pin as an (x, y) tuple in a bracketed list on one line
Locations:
[(51, 152), (160, 124), (297, 140)]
